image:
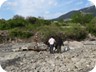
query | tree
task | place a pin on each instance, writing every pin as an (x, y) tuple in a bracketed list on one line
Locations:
[(31, 20), (18, 17), (16, 21)]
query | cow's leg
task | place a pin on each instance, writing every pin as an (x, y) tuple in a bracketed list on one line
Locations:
[(59, 49)]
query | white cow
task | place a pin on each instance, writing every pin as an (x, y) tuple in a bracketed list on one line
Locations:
[(1, 69)]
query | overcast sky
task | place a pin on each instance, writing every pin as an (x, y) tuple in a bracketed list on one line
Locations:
[(45, 8)]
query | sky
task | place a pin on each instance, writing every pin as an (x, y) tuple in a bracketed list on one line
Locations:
[(48, 9)]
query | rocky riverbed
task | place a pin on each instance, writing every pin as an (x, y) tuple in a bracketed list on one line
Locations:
[(80, 58)]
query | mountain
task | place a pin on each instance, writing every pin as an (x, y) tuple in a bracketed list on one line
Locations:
[(91, 10)]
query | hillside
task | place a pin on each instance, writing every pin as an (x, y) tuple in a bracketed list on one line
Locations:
[(68, 15)]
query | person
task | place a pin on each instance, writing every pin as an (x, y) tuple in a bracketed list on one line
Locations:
[(51, 42), (59, 43)]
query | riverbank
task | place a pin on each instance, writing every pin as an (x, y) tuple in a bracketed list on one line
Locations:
[(80, 58)]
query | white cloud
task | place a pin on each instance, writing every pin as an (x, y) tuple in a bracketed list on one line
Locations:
[(69, 2), (47, 12), (88, 4), (34, 7), (93, 2), (43, 8), (79, 3), (1, 2), (52, 15), (12, 4)]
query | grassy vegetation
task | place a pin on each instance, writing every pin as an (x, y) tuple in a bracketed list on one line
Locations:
[(75, 29), (91, 27), (19, 33)]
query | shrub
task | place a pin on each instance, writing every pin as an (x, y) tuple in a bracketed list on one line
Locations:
[(75, 32), (3, 24), (13, 23), (19, 33), (91, 27), (47, 31), (82, 18)]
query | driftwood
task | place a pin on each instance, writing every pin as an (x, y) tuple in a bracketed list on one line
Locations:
[(36, 50), (29, 49)]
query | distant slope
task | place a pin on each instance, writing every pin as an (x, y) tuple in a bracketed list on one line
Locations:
[(68, 15)]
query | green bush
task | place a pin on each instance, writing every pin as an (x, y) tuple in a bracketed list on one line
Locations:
[(75, 32), (19, 33), (82, 18), (20, 27), (3, 24), (47, 31), (91, 27), (16, 22)]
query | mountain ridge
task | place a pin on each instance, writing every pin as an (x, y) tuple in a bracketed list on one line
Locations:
[(91, 10)]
